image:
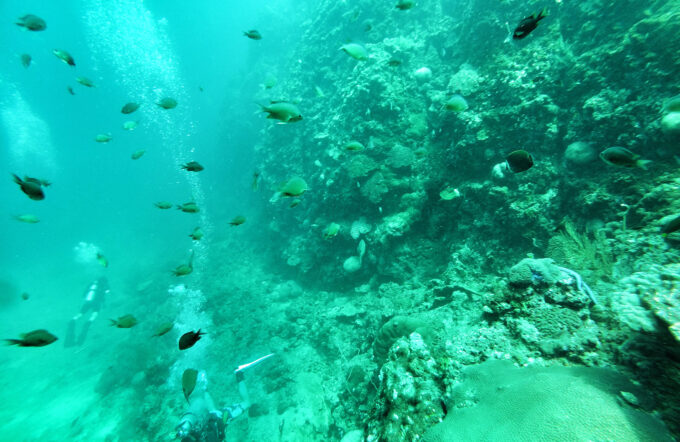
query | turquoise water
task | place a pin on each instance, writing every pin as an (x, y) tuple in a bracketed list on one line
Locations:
[(404, 263)]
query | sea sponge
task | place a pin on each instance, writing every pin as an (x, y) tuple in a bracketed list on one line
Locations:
[(580, 153), (359, 227)]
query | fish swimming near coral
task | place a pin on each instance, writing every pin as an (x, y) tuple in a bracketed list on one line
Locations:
[(32, 187), (35, 338), (621, 157), (189, 339), (295, 186), (519, 161), (189, 382), (32, 23), (528, 24), (283, 111), (355, 51)]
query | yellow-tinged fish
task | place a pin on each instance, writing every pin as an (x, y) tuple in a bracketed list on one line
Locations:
[(238, 220), (29, 219), (101, 259), (85, 81), (103, 138), (185, 269), (64, 56), (163, 328), (126, 321)]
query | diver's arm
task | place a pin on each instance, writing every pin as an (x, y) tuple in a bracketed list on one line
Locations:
[(237, 410)]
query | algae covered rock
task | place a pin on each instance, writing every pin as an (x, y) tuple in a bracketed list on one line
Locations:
[(410, 393), (535, 272)]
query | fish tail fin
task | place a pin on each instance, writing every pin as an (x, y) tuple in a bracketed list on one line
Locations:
[(113, 322), (542, 14), (642, 164), (12, 341), (17, 179)]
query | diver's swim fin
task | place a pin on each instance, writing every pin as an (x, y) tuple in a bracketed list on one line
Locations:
[(83, 332), (70, 339)]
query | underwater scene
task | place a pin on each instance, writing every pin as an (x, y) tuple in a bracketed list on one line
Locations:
[(340, 220)]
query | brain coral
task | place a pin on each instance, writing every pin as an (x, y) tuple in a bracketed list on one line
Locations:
[(544, 404)]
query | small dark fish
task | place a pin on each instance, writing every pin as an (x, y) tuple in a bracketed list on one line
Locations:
[(671, 226), (403, 5), (137, 155), (25, 296), (126, 321), (394, 62), (163, 205), (295, 202), (189, 382), (85, 81), (101, 259), (26, 60), (622, 157), (70, 90), (519, 161), (189, 339), (527, 25), (238, 220), (253, 34), (256, 181), (197, 234), (32, 22), (31, 187), (64, 56), (163, 329), (188, 207), (130, 108), (192, 166), (167, 103), (185, 269), (35, 338)]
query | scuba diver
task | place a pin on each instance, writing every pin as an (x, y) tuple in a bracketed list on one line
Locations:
[(203, 421), (93, 301)]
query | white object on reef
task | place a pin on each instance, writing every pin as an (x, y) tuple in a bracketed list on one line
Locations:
[(499, 170), (353, 263), (423, 74), (580, 153), (670, 123), (359, 227)]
